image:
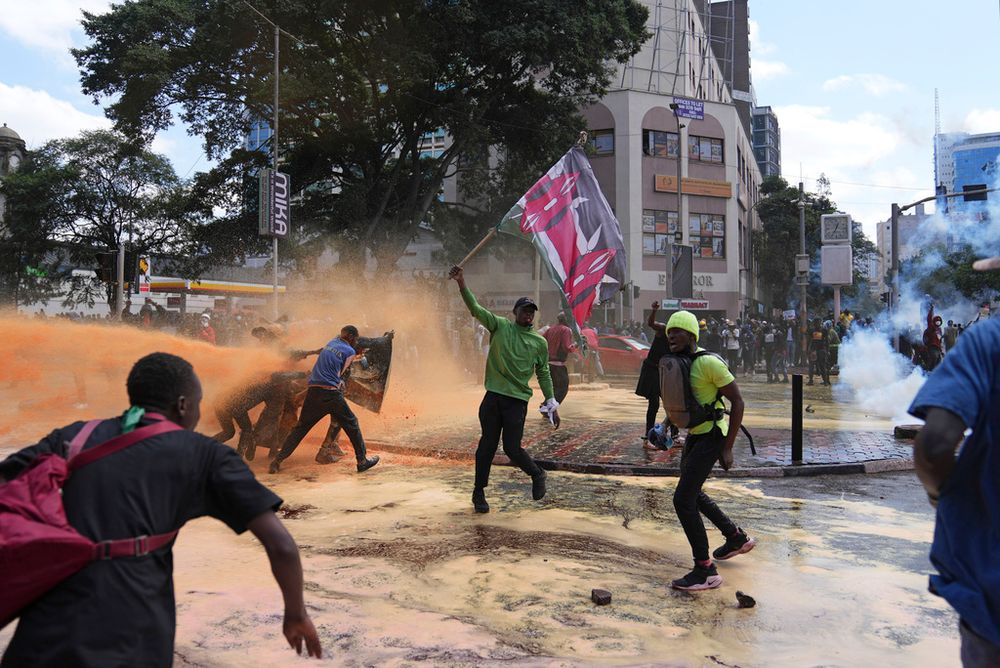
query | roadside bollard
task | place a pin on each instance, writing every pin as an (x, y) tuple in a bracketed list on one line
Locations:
[(797, 418)]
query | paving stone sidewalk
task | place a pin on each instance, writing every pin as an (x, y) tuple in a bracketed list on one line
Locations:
[(615, 448)]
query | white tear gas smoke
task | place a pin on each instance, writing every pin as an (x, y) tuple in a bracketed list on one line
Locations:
[(883, 381), (979, 230)]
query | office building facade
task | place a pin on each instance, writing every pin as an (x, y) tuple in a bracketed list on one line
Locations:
[(767, 141)]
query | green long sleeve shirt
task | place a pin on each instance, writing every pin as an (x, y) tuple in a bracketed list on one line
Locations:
[(515, 353)]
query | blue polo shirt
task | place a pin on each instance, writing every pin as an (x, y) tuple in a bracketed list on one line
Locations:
[(330, 363), (967, 531)]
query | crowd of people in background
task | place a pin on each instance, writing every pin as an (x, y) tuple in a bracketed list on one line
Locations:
[(216, 326)]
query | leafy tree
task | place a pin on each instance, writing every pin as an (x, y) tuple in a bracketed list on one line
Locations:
[(73, 197), (776, 245), (947, 274), (363, 84)]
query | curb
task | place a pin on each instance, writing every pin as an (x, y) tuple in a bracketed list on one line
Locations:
[(641, 470)]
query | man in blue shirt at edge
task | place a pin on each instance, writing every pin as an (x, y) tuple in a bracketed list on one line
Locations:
[(325, 396), (964, 393)]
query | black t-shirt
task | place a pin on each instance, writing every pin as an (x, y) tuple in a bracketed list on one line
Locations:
[(121, 612)]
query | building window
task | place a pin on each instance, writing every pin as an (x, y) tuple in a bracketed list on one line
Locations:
[(660, 144), (657, 229), (602, 141), (705, 149), (432, 143), (707, 235)]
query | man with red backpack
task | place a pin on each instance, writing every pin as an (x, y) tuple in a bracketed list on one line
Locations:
[(119, 608)]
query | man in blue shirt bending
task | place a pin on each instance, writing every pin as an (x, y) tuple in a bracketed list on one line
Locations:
[(325, 396), (964, 393)]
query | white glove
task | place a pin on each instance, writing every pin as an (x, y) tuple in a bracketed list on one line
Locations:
[(549, 406), (548, 409)]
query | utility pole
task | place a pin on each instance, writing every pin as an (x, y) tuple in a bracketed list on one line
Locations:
[(803, 273), (894, 269), (120, 282), (681, 224), (274, 166)]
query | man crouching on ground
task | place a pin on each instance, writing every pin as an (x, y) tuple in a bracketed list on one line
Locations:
[(515, 353)]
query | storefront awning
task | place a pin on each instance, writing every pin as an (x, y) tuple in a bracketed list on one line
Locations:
[(209, 287)]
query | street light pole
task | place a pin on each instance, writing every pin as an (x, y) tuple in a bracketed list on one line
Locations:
[(274, 166), (803, 278), (680, 205)]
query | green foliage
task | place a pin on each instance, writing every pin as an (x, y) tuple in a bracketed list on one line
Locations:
[(776, 245), (941, 272), (361, 86), (75, 196)]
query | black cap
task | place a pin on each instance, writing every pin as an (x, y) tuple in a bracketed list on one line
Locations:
[(525, 301)]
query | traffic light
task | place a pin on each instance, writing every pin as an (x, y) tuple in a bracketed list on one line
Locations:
[(107, 265), (886, 298)]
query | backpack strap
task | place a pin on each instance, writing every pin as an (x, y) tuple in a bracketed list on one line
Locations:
[(124, 547), (139, 546), (121, 442), (81, 439)]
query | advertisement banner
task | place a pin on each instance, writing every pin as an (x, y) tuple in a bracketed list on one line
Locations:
[(274, 191)]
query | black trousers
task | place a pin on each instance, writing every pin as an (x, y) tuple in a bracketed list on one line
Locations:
[(560, 382), (820, 366), (318, 404), (977, 651), (242, 419), (500, 415), (769, 359), (701, 451), (652, 410)]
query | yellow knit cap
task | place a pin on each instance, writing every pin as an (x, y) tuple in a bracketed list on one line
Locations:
[(684, 320)]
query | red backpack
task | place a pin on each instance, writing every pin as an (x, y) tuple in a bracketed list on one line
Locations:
[(38, 547)]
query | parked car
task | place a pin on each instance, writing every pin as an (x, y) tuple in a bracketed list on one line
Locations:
[(621, 354)]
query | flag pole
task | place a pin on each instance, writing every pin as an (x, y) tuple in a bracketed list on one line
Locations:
[(489, 235)]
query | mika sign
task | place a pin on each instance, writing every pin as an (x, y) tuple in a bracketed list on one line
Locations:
[(274, 201)]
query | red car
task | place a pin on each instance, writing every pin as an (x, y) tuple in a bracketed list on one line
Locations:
[(621, 354)]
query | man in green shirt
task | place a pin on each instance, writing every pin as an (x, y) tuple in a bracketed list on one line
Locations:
[(516, 352), (706, 443)]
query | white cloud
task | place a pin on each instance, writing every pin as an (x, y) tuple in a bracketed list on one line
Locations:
[(757, 45), (768, 69), (47, 24), (38, 116), (849, 151), (763, 68), (809, 133), (982, 120), (875, 84)]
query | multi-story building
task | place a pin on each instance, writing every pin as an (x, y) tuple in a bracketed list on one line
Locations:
[(964, 162), (767, 141), (640, 145), (12, 153)]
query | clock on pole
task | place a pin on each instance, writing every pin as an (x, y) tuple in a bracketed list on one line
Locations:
[(836, 228)]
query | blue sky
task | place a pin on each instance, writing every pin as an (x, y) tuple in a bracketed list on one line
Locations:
[(853, 86), (852, 82)]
